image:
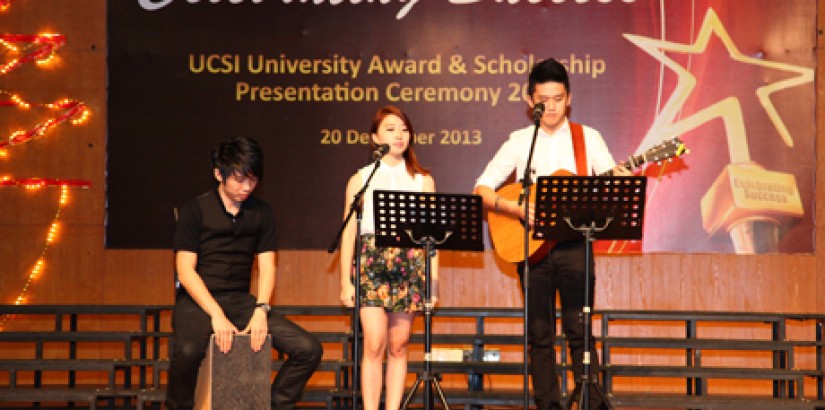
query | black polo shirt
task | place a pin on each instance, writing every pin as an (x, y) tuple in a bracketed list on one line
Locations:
[(226, 246)]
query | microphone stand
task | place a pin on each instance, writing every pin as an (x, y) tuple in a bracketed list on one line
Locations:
[(526, 182), (355, 207)]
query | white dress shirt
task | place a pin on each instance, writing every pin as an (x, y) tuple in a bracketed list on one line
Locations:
[(553, 152)]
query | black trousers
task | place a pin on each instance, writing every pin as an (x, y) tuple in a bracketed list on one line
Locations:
[(563, 270), (192, 328)]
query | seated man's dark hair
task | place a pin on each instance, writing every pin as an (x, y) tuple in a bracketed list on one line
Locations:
[(239, 155)]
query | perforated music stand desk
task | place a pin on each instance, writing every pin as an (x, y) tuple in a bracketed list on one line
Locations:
[(427, 220), (403, 218), (613, 205)]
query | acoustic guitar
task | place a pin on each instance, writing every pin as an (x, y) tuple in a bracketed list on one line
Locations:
[(507, 231)]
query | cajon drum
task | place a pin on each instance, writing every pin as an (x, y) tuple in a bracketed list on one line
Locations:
[(238, 380)]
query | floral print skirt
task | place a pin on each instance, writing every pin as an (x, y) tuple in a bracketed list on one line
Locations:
[(391, 277)]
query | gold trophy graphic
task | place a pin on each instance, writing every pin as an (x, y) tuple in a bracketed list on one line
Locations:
[(751, 204)]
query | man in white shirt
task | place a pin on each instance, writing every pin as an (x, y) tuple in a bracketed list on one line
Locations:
[(563, 268)]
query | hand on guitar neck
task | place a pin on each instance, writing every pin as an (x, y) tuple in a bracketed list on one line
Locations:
[(621, 170)]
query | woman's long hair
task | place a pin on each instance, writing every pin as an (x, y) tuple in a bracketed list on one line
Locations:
[(413, 166)]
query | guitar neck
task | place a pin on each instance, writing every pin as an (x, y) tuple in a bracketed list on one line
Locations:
[(633, 162)]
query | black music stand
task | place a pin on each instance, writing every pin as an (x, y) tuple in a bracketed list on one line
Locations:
[(428, 220), (595, 207)]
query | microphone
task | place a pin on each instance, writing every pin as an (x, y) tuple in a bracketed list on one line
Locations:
[(538, 111), (379, 152)]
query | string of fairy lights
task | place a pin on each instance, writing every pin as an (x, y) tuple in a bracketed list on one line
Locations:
[(54, 227), (74, 112), (39, 49)]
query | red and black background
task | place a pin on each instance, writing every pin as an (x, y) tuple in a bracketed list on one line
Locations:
[(163, 118)]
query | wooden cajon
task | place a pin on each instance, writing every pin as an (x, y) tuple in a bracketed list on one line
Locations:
[(239, 380)]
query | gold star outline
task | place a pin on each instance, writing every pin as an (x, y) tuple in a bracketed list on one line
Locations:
[(729, 109)]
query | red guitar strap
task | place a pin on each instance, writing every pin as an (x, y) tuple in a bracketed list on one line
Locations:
[(579, 150)]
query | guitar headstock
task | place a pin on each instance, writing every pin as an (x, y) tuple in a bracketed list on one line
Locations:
[(667, 149)]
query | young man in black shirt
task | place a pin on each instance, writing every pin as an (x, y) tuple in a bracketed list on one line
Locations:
[(218, 236)]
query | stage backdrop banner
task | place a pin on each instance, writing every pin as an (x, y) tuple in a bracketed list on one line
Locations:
[(733, 80)]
